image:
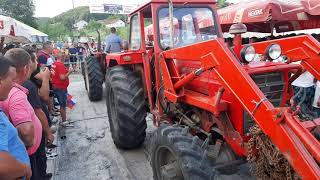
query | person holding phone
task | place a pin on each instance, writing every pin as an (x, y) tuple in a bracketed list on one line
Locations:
[(45, 59), (39, 158)]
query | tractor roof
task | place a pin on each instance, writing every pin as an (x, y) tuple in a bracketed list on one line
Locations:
[(174, 2)]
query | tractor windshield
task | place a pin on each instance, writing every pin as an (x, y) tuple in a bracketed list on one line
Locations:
[(190, 25)]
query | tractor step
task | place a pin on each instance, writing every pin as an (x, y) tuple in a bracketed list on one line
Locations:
[(229, 164), (213, 150)]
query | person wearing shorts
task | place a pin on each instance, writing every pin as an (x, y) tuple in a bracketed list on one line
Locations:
[(61, 95), (60, 82)]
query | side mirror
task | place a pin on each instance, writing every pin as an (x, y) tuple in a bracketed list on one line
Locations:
[(238, 28), (125, 45)]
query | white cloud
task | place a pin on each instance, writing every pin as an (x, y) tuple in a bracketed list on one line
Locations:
[(45, 8)]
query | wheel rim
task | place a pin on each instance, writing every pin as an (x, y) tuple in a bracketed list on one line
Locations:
[(113, 107), (167, 165)]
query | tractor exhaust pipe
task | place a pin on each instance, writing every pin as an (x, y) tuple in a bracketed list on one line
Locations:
[(171, 23)]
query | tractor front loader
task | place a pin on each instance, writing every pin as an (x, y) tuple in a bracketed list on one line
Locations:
[(285, 130), (215, 107)]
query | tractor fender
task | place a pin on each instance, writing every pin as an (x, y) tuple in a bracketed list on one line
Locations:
[(125, 58)]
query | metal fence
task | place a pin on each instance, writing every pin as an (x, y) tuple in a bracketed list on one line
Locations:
[(76, 63)]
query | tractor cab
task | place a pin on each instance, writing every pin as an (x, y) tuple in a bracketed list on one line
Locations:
[(194, 21)]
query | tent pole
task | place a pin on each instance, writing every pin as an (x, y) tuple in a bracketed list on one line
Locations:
[(272, 28)]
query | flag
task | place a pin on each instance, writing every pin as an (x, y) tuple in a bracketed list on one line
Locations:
[(70, 101)]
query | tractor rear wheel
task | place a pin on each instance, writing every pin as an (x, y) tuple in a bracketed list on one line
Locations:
[(126, 107), (176, 154), (93, 77)]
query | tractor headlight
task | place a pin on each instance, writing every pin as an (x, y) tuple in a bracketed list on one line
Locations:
[(248, 53), (274, 51)]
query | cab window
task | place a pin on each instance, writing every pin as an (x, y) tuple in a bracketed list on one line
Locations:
[(190, 25), (135, 33)]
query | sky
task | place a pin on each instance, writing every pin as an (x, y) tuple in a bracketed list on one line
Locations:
[(45, 8)]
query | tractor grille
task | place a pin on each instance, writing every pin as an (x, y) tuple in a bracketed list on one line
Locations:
[(272, 85)]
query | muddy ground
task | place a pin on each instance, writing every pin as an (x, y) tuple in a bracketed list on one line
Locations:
[(88, 152)]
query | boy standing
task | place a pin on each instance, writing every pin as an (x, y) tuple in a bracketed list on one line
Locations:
[(60, 82)]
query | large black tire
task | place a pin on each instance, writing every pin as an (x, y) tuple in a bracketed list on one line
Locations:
[(93, 77), (126, 107), (176, 154)]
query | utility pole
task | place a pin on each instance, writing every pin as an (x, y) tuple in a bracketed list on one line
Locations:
[(73, 23)]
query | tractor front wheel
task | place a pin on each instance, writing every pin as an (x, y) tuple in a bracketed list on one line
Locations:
[(93, 77), (126, 107), (176, 154)]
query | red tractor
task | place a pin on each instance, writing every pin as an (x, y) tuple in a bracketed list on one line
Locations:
[(215, 107)]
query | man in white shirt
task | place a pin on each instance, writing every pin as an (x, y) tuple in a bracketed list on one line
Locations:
[(305, 80), (316, 101), (304, 91)]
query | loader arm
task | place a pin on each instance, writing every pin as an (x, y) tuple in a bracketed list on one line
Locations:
[(295, 142), (301, 48)]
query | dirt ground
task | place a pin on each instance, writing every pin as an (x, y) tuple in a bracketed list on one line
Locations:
[(88, 152)]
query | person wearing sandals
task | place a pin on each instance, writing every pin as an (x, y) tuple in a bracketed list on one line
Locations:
[(60, 82)]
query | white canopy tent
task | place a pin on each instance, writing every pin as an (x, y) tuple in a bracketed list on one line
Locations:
[(20, 29)]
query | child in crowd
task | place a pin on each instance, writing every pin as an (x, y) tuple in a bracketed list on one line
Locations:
[(60, 82)]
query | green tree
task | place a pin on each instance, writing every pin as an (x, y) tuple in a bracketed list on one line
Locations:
[(95, 26), (22, 10), (61, 26), (55, 31), (69, 25)]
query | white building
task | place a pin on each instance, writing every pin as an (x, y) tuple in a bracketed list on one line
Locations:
[(81, 24), (113, 23), (116, 24)]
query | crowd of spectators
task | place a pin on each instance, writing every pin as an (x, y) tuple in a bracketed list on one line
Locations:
[(33, 97)]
